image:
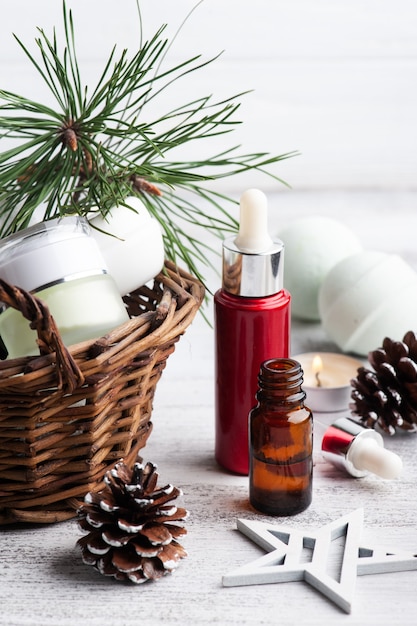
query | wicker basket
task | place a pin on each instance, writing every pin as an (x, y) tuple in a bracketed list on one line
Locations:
[(68, 415)]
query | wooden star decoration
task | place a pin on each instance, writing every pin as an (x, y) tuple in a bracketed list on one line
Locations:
[(294, 555)]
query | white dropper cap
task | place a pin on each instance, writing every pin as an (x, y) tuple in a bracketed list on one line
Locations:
[(252, 260), (368, 454), (253, 237)]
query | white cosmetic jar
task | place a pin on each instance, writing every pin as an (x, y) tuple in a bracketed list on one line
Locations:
[(61, 264)]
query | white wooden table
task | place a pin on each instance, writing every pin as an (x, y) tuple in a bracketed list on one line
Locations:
[(43, 581)]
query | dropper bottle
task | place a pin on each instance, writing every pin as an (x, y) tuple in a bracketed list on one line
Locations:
[(252, 324), (359, 450)]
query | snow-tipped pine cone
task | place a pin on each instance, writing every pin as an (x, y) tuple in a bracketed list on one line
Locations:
[(387, 395), (132, 529)]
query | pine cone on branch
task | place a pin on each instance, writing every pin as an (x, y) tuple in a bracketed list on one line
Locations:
[(132, 529), (387, 395)]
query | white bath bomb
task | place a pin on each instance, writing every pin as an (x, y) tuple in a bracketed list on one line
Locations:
[(367, 297), (131, 242), (313, 245)]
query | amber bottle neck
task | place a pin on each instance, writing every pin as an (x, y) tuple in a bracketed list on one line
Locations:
[(280, 380)]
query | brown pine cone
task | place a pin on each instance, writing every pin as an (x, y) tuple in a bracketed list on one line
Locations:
[(132, 530), (387, 396)]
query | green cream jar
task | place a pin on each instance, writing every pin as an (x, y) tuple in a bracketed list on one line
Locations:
[(60, 262)]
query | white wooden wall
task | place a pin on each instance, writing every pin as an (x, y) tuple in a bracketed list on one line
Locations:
[(333, 79)]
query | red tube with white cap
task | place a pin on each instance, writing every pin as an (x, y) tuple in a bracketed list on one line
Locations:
[(252, 324)]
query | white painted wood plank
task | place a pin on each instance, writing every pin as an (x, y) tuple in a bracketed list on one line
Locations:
[(290, 28)]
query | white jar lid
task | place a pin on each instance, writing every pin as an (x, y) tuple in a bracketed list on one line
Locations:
[(50, 252)]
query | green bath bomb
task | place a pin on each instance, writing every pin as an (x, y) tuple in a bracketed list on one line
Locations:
[(366, 297), (313, 246)]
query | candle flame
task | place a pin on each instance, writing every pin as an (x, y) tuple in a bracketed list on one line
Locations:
[(317, 367), (317, 364)]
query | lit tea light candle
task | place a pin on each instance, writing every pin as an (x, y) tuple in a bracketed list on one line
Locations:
[(327, 379)]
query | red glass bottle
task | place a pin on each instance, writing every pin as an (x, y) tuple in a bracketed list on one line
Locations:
[(281, 441), (252, 324)]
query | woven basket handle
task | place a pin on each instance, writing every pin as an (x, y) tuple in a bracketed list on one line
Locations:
[(49, 339)]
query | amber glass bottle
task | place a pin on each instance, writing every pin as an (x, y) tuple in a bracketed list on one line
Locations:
[(280, 441)]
